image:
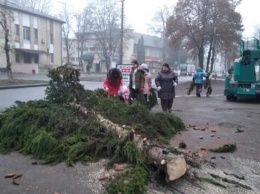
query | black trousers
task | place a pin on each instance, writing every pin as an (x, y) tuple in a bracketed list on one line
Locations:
[(166, 104), (133, 93), (146, 98), (198, 89)]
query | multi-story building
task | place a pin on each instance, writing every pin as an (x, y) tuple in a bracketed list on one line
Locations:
[(35, 39)]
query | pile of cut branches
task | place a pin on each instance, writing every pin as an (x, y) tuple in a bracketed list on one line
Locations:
[(53, 131)]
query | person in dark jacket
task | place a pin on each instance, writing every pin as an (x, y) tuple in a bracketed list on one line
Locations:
[(166, 81), (207, 85), (192, 85), (136, 80)]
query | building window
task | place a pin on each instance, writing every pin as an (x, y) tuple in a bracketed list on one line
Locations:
[(35, 33), (17, 56), (51, 38), (17, 30), (26, 33), (52, 58)]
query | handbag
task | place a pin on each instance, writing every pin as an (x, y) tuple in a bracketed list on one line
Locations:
[(152, 98)]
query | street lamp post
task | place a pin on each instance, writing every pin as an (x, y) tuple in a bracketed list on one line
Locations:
[(122, 33)]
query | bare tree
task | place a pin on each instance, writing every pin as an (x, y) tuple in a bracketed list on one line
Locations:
[(84, 27), (204, 26), (67, 30), (5, 19), (225, 30), (158, 27), (40, 5), (106, 26)]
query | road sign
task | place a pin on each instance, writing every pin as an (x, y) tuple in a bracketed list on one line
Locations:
[(126, 70)]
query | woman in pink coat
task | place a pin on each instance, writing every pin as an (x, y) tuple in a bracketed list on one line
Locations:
[(147, 83)]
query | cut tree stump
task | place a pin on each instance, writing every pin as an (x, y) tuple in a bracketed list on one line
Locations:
[(173, 165)]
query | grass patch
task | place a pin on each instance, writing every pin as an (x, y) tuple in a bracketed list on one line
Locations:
[(225, 148)]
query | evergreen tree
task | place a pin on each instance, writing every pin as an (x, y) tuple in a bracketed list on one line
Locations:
[(141, 51)]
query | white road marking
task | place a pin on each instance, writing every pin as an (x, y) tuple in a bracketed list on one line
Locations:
[(215, 95)]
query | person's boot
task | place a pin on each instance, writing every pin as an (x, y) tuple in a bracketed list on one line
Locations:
[(188, 93)]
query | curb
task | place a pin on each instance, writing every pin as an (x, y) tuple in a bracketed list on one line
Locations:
[(22, 86)]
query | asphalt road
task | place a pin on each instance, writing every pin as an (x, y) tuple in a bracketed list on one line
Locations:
[(9, 96), (218, 121)]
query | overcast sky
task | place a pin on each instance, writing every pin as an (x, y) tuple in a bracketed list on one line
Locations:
[(140, 12)]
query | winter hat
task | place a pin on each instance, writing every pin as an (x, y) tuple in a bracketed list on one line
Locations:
[(144, 66), (199, 69)]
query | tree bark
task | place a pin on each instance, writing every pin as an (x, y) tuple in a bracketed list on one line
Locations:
[(201, 55), (5, 15), (209, 54), (173, 165), (213, 56)]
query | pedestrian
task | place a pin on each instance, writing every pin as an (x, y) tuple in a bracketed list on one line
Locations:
[(88, 69), (136, 82), (124, 93), (207, 85), (147, 82), (192, 85), (230, 72), (113, 81), (198, 80), (166, 81)]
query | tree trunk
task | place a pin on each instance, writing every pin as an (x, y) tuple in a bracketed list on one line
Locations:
[(107, 61), (67, 50), (201, 56), (213, 56), (173, 165), (209, 54), (7, 51), (164, 55)]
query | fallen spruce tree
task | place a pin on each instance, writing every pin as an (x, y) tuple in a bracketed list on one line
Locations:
[(72, 125)]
